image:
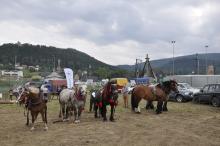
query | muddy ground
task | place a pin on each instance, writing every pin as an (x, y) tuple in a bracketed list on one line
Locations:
[(184, 124)]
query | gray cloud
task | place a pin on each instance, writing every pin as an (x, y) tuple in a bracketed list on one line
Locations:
[(103, 27)]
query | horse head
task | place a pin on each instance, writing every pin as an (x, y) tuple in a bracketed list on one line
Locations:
[(170, 85), (114, 92), (173, 85), (23, 97)]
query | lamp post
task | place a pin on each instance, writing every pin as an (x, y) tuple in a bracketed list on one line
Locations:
[(173, 43), (206, 67)]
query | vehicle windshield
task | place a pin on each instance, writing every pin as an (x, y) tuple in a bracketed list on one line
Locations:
[(186, 85)]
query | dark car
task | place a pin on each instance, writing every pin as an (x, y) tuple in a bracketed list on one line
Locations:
[(182, 95), (210, 94)]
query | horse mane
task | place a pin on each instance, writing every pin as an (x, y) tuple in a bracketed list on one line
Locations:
[(107, 89), (165, 84)]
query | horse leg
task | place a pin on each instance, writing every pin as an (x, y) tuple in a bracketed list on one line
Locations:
[(159, 107), (104, 110), (27, 117), (61, 111), (124, 97), (76, 114), (127, 101), (79, 114), (137, 108), (43, 115), (134, 103), (112, 114), (91, 104), (34, 117), (165, 106), (149, 105), (96, 111)]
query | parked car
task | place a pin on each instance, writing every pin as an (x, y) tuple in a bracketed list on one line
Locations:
[(187, 87), (210, 93), (181, 96), (185, 93)]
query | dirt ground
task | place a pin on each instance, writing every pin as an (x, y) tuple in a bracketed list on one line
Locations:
[(184, 124)]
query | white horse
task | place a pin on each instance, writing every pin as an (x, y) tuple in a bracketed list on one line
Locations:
[(69, 102)]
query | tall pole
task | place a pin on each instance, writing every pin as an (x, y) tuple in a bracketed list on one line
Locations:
[(206, 66), (197, 63), (173, 43), (15, 61), (54, 63)]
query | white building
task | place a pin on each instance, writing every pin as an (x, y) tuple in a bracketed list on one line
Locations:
[(12, 73)]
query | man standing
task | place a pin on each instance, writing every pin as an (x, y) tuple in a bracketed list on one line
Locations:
[(45, 92), (125, 95)]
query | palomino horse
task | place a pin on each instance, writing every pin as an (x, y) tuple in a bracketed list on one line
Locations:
[(72, 100), (153, 93), (108, 96), (35, 104)]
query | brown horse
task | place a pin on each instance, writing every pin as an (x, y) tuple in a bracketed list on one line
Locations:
[(35, 104), (158, 93), (106, 96)]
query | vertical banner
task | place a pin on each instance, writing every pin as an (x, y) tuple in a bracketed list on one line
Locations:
[(69, 77)]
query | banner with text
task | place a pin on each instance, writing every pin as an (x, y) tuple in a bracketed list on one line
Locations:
[(69, 77)]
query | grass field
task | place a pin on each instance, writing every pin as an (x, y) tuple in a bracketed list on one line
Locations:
[(184, 124)]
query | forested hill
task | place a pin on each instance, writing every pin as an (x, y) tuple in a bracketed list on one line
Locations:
[(184, 64), (31, 55)]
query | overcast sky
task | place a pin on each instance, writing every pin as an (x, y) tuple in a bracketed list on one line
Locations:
[(114, 31)]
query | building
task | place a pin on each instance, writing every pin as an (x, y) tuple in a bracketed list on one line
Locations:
[(195, 80), (12, 73)]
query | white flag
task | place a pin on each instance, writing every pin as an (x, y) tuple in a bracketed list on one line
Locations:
[(69, 77)]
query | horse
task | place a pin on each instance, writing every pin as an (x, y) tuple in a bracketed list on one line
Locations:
[(108, 96), (96, 102), (158, 93), (22, 100), (72, 100), (35, 104)]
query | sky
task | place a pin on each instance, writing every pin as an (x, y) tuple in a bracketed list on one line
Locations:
[(115, 31)]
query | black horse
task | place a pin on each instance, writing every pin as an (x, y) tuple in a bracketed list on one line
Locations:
[(104, 97)]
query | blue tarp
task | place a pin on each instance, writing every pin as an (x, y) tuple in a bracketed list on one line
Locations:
[(144, 80)]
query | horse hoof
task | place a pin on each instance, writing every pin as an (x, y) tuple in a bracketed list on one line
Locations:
[(45, 128), (165, 110), (158, 112), (32, 128), (77, 121), (112, 120)]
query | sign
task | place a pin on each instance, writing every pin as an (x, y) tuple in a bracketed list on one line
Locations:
[(69, 77)]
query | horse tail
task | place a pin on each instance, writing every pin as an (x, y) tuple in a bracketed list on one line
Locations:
[(133, 101)]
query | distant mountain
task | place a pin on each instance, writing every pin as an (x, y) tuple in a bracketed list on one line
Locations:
[(44, 56), (183, 64)]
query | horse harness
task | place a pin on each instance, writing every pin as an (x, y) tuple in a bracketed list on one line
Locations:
[(154, 91)]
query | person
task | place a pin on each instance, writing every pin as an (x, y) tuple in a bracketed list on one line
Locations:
[(45, 92), (59, 89), (92, 101), (10, 94), (125, 95)]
